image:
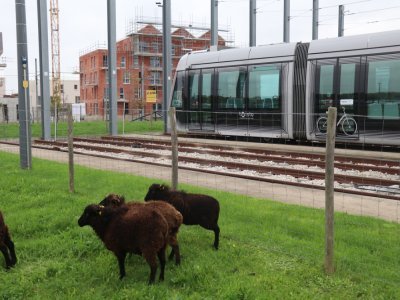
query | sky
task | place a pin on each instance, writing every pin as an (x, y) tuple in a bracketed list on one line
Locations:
[(83, 23)]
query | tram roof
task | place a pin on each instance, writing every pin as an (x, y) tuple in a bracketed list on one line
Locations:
[(238, 56), (364, 44)]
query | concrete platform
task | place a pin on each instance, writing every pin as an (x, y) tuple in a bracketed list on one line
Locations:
[(352, 204)]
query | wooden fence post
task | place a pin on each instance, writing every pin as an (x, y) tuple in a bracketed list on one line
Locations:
[(71, 149), (329, 189), (174, 148)]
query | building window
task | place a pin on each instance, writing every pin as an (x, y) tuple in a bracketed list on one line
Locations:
[(75, 86), (127, 78), (96, 108), (155, 78), (155, 61), (123, 62), (156, 47), (105, 61), (121, 93), (143, 47), (62, 88), (77, 99), (135, 61)]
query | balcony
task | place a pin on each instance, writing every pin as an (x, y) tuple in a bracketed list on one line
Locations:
[(155, 82), (93, 82)]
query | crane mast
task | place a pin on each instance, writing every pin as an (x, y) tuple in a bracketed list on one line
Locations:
[(55, 52)]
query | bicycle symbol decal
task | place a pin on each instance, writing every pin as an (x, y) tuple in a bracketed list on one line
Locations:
[(346, 124)]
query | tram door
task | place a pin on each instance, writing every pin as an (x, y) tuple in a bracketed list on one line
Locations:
[(338, 85), (200, 100)]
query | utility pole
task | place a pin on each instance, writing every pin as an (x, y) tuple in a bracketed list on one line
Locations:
[(112, 66), (286, 21), (214, 23), (253, 23), (341, 20), (315, 19), (55, 54), (166, 59), (23, 89), (36, 83)]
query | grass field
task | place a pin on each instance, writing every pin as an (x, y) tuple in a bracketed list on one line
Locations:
[(268, 250), (91, 128)]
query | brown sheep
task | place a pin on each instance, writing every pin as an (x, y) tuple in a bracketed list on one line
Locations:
[(172, 216), (6, 244), (196, 209), (140, 231)]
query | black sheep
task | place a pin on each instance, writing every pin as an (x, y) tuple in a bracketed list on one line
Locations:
[(6, 244), (172, 216), (141, 231), (196, 209)]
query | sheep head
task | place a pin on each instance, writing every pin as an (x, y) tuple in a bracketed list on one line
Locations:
[(113, 200), (90, 215), (156, 192)]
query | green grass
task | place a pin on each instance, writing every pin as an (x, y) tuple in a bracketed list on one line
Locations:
[(89, 128), (268, 250)]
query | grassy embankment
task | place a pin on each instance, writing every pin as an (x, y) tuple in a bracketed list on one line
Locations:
[(87, 128), (268, 250)]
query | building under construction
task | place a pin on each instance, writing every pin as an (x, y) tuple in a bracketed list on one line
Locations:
[(139, 67)]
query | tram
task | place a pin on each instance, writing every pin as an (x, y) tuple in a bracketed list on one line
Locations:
[(284, 90)]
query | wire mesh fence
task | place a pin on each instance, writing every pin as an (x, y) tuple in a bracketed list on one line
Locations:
[(281, 169)]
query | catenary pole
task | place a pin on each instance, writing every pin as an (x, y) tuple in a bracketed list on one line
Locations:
[(23, 89), (315, 19), (166, 59), (112, 66), (253, 23), (341, 20), (44, 69), (214, 23), (286, 21)]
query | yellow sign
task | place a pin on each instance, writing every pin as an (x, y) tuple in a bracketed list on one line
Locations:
[(25, 84), (151, 96)]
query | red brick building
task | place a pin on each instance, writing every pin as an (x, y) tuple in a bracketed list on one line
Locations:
[(139, 70)]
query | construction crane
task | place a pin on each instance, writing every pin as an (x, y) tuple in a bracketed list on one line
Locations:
[(55, 53)]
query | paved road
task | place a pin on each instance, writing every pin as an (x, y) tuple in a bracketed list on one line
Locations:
[(352, 204)]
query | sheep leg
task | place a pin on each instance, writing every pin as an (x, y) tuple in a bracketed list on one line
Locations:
[(4, 250), (214, 228), (216, 239), (121, 264), (171, 255), (152, 261), (161, 258), (9, 243), (173, 242)]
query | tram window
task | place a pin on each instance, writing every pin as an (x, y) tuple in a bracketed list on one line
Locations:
[(383, 95), (231, 88), (348, 86), (177, 97), (325, 94), (206, 91), (264, 91), (194, 90)]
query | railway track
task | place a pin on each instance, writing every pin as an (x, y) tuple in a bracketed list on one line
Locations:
[(249, 164)]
